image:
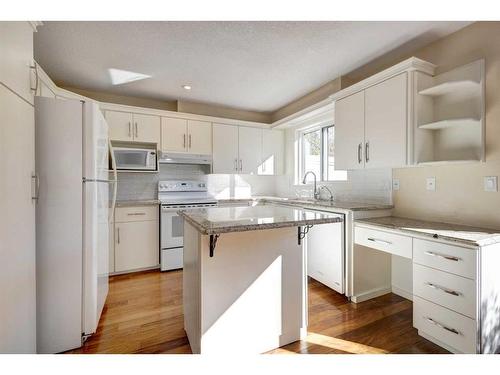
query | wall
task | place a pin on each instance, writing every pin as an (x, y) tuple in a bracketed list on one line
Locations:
[(311, 98), (137, 186), (219, 111), (369, 186), (125, 100), (459, 197)]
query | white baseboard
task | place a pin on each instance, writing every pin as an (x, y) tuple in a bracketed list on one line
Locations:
[(402, 293), (370, 294)]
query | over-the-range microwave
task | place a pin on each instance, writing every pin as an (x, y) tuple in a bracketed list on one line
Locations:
[(135, 158)]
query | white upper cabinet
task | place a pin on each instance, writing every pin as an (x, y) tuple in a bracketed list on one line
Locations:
[(190, 136), (350, 132), (250, 150), (133, 127), (225, 149), (146, 128), (199, 137), (173, 134), (16, 51), (386, 123), (374, 118), (246, 150), (273, 152), (120, 125)]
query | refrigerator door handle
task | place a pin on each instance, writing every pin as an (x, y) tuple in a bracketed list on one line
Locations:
[(115, 182)]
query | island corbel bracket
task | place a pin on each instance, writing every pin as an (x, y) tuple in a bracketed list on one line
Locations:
[(301, 233), (213, 242)]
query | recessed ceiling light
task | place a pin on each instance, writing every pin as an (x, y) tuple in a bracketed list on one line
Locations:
[(186, 87), (119, 77)]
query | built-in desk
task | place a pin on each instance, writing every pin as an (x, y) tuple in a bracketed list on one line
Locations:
[(450, 272)]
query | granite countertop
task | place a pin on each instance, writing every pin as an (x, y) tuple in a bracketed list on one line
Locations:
[(312, 203), (138, 202), (450, 232), (215, 220)]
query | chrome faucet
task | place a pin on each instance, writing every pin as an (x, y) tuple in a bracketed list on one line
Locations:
[(316, 191), (327, 189)]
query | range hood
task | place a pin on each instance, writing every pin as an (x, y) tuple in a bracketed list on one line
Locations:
[(178, 158)]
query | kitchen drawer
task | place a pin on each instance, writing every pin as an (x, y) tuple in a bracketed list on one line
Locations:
[(454, 259), (384, 241), (136, 213), (449, 327), (454, 292)]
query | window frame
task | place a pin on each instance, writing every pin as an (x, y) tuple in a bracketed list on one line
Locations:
[(323, 152)]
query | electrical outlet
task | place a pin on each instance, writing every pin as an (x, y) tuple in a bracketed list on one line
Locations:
[(431, 183), (395, 184), (491, 183)]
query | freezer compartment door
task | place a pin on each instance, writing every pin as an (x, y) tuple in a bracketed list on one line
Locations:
[(95, 147), (96, 253)]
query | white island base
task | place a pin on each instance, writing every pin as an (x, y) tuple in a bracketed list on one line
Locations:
[(250, 297)]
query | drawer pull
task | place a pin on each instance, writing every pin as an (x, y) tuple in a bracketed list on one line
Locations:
[(447, 257), (136, 213), (437, 287), (380, 241), (452, 330)]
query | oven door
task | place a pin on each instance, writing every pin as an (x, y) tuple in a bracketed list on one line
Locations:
[(172, 228)]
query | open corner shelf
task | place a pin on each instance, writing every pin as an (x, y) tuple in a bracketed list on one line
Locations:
[(465, 87), (444, 124), (445, 162)]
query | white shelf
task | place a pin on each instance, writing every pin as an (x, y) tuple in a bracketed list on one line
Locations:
[(444, 124), (466, 88), (444, 162)]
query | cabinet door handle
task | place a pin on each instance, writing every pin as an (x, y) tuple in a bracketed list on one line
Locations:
[(443, 256), (136, 214), (236, 164), (118, 235), (36, 193), (35, 89), (184, 142), (129, 129), (367, 152), (380, 241), (189, 140), (360, 150), (241, 165), (136, 130), (452, 330), (437, 287)]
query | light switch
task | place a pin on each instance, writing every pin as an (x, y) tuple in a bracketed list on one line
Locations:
[(395, 184), (431, 183), (491, 183)]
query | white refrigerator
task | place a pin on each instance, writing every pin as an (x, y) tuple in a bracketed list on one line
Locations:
[(72, 221)]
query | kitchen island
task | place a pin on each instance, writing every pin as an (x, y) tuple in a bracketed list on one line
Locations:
[(244, 278)]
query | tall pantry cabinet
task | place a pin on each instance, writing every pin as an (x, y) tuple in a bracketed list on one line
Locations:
[(17, 189)]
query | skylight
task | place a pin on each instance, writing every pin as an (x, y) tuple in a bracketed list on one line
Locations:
[(119, 77)]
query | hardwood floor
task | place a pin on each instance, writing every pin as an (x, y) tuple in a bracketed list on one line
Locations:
[(143, 314)]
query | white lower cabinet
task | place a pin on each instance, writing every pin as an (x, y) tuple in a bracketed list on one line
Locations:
[(452, 286), (136, 238), (456, 331)]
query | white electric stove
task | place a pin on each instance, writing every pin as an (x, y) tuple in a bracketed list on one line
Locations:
[(176, 195)]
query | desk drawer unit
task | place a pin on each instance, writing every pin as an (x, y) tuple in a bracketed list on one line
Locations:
[(451, 291), (453, 259), (453, 329), (384, 241), (136, 213)]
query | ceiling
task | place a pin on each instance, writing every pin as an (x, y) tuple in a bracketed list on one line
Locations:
[(257, 66)]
